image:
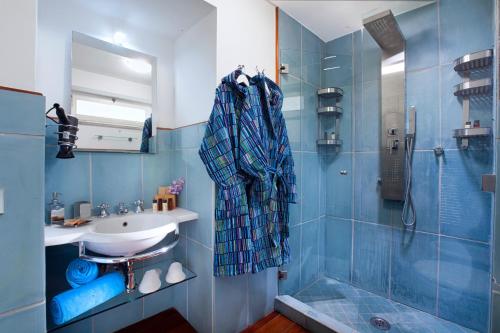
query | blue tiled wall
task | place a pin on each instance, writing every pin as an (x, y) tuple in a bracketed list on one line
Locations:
[(21, 226), (443, 265), (203, 301), (303, 51), (111, 178)]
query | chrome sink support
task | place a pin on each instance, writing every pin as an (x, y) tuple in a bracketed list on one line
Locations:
[(130, 276), (129, 261)]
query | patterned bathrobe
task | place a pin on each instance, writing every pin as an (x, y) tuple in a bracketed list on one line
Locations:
[(247, 154)]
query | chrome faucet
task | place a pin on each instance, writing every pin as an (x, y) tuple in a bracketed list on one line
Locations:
[(122, 209), (103, 210), (139, 206)]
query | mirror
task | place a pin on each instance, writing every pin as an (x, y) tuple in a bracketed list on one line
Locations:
[(113, 93)]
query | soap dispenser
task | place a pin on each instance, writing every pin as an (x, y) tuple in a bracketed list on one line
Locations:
[(56, 210)]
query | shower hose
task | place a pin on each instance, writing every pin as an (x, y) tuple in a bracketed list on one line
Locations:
[(408, 215)]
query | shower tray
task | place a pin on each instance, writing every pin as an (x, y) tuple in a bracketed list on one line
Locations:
[(329, 305)]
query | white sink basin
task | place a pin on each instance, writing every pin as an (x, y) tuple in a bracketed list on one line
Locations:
[(109, 235), (126, 235)]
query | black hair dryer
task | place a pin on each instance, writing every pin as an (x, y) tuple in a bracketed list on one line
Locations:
[(68, 126)]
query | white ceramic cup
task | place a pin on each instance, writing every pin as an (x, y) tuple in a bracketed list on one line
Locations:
[(175, 273), (150, 281)]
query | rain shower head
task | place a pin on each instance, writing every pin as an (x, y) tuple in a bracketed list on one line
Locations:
[(384, 28)]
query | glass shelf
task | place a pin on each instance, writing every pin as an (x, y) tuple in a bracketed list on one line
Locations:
[(124, 297)]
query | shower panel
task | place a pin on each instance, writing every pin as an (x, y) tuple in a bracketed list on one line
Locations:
[(385, 31)]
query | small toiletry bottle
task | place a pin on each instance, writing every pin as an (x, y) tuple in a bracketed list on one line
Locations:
[(477, 124), (467, 124), (159, 204), (155, 205), (164, 205), (56, 210)]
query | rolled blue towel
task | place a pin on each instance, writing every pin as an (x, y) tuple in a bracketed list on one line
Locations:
[(74, 302), (80, 272)]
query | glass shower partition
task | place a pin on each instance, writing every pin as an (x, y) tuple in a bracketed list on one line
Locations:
[(355, 265)]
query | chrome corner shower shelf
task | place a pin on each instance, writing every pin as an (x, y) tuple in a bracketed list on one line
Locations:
[(328, 99), (471, 132), (469, 89), (473, 61), (473, 88), (331, 92), (330, 110), (329, 142)]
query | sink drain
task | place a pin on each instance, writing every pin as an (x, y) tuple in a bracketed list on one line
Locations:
[(380, 323)]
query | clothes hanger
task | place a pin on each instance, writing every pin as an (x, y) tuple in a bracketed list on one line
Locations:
[(242, 77), (264, 77)]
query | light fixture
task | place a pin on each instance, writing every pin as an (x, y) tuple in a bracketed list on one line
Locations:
[(119, 38), (138, 65)]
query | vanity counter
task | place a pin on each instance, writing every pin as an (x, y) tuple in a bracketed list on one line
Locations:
[(58, 235)]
